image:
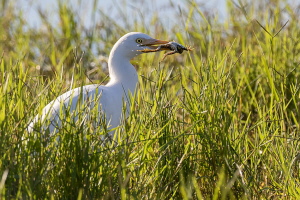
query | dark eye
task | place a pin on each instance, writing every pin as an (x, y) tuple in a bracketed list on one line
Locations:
[(139, 41), (180, 50)]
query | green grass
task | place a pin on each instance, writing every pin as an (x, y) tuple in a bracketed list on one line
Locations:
[(220, 122)]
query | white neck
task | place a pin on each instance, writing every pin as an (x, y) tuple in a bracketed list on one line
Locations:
[(122, 71)]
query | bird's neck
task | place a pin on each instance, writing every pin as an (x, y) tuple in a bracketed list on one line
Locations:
[(121, 71)]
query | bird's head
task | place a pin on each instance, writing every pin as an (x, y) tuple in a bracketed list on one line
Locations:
[(132, 44)]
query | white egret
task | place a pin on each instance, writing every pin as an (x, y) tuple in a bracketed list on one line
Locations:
[(110, 98)]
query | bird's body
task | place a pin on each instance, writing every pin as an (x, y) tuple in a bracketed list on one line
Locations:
[(109, 103), (108, 99)]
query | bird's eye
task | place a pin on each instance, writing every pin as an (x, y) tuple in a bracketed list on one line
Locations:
[(139, 41)]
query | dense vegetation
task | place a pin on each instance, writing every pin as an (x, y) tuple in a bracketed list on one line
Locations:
[(220, 122)]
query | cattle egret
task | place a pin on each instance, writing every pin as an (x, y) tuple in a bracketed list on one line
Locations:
[(108, 98)]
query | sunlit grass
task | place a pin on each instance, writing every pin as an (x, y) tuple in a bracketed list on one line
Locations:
[(220, 122)]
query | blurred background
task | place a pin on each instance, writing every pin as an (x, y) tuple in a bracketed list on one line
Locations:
[(118, 10)]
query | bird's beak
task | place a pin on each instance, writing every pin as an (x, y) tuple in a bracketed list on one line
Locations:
[(152, 43)]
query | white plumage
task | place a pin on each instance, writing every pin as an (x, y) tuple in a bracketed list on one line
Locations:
[(110, 98)]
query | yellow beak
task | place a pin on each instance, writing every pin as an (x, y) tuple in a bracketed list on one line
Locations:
[(152, 42)]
